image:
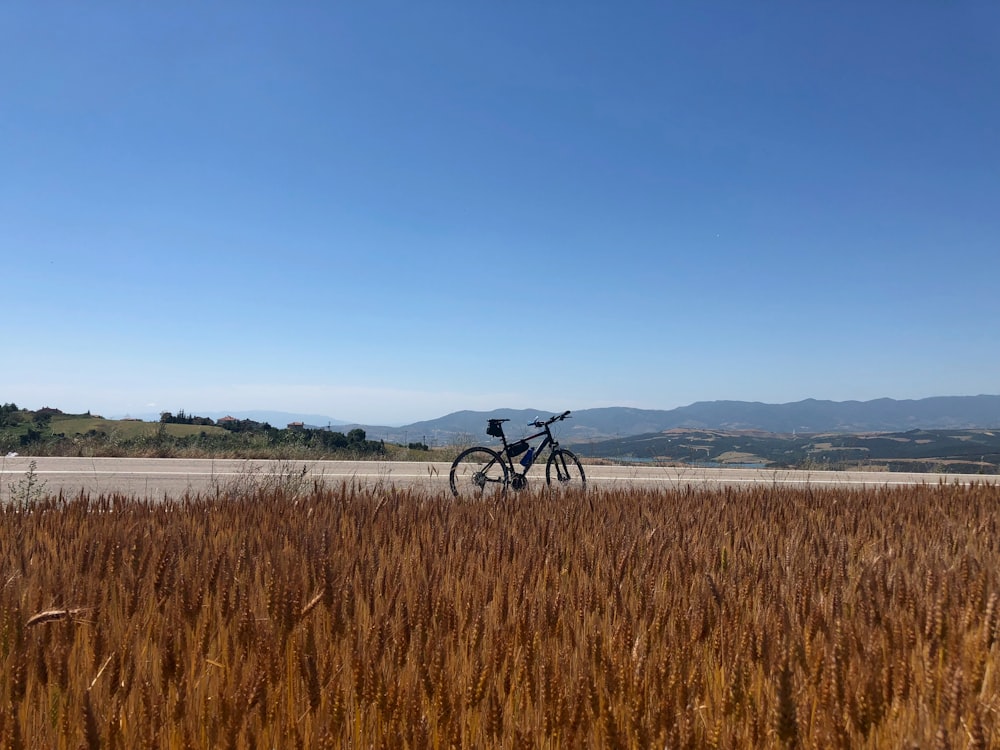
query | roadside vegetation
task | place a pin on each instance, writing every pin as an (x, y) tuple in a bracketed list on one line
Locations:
[(340, 617), (50, 432)]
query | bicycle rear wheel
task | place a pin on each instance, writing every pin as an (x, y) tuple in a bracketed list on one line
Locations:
[(479, 473), (565, 471)]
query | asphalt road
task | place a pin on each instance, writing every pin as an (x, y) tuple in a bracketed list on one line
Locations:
[(172, 477)]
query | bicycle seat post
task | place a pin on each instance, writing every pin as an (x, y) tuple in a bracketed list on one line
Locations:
[(495, 429)]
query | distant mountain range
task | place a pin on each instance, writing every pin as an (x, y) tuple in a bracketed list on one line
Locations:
[(808, 416), (589, 425)]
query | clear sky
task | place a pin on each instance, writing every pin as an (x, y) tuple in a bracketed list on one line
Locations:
[(388, 211)]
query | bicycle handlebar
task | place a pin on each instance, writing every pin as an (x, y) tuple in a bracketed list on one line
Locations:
[(550, 420)]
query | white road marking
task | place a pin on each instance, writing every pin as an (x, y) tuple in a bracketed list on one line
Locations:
[(166, 477)]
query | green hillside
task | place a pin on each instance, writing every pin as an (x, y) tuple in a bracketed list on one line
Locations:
[(958, 451), (51, 432), (82, 424)]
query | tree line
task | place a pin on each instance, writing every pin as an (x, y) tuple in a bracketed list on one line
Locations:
[(29, 432)]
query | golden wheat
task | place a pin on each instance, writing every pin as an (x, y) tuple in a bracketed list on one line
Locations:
[(756, 617)]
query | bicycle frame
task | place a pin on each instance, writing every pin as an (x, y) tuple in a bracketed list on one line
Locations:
[(549, 442)]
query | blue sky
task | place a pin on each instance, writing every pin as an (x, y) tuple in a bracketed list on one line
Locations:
[(388, 211)]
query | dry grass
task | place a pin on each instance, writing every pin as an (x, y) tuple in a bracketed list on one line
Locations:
[(762, 617)]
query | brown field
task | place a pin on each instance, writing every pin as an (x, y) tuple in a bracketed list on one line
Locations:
[(762, 617)]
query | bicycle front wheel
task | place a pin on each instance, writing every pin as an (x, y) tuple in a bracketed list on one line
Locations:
[(565, 471), (479, 473)]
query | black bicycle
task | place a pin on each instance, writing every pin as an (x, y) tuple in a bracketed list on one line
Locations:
[(484, 472)]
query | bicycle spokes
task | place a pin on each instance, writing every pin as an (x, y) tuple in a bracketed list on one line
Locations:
[(478, 472), (564, 470)]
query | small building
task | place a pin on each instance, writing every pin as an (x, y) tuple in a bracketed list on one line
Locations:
[(296, 426)]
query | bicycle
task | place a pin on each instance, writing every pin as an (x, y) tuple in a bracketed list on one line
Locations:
[(488, 473)]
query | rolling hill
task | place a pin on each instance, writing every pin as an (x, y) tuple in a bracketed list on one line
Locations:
[(808, 416)]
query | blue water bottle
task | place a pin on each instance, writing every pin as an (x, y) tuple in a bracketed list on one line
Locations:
[(528, 458)]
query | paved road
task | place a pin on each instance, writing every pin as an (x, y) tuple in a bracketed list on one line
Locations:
[(172, 477)]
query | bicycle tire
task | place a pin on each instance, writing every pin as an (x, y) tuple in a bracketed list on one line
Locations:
[(480, 472), (564, 471)]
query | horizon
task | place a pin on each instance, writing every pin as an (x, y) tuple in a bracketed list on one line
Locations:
[(389, 213), (338, 421)]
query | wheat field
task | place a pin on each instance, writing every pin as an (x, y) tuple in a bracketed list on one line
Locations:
[(344, 617)]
